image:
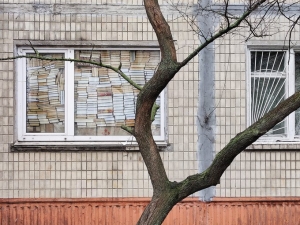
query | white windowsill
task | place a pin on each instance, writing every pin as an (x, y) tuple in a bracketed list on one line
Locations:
[(284, 145), (83, 146)]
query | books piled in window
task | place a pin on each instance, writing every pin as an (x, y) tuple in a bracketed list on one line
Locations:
[(102, 97), (45, 95)]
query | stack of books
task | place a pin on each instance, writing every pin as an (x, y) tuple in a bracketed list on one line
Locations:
[(102, 97), (45, 95)]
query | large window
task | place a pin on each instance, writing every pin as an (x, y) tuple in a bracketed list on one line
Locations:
[(274, 75), (66, 101)]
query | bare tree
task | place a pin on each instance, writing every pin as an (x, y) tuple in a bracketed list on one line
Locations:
[(167, 193)]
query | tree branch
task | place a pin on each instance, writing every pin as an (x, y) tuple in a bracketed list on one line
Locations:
[(222, 32), (162, 30), (117, 70), (146, 108), (35, 51), (165, 72), (130, 130), (167, 69), (154, 110), (240, 142), (38, 56)]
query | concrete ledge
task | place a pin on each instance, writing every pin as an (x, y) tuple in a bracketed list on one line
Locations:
[(95, 9), (82, 146), (90, 44), (286, 146)]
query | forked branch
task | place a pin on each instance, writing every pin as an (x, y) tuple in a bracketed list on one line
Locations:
[(223, 31)]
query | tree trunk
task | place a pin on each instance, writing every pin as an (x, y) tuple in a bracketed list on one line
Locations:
[(157, 210)]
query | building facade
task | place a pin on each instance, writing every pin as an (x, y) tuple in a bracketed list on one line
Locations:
[(60, 135)]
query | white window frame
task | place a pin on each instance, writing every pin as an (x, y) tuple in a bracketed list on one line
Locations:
[(289, 87), (68, 135)]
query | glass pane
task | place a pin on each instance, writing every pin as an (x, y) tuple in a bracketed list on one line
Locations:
[(266, 94), (104, 101), (297, 88), (45, 91), (268, 86), (263, 61)]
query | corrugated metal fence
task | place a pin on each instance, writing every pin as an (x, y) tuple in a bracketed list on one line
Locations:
[(125, 211)]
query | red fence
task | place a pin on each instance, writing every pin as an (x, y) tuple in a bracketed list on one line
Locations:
[(126, 211)]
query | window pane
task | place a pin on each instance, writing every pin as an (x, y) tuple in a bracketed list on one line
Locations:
[(267, 85), (45, 90), (262, 61), (103, 100), (297, 88)]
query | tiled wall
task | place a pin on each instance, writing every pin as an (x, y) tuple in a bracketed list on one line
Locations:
[(123, 174), (268, 172), (98, 173)]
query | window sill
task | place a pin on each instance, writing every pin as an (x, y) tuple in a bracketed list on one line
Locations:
[(81, 146), (287, 146)]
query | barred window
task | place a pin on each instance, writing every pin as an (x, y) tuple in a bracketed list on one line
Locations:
[(274, 75)]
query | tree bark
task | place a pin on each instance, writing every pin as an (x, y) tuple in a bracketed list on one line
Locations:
[(157, 210), (162, 203), (167, 194)]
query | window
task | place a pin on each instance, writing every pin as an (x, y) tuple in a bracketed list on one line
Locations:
[(274, 75), (66, 101)]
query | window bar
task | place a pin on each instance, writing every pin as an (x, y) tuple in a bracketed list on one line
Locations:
[(268, 106), (268, 80), (260, 102), (274, 130), (257, 112), (254, 92), (265, 110)]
